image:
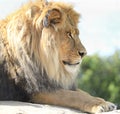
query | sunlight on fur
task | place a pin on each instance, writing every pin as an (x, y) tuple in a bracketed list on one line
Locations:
[(44, 44), (40, 57)]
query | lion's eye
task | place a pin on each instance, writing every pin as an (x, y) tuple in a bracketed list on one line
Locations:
[(69, 34)]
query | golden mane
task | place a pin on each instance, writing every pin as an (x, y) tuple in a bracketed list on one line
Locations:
[(29, 41), (31, 37)]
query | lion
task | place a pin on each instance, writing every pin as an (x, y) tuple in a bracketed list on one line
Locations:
[(40, 55)]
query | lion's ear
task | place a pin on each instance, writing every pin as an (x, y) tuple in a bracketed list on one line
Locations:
[(32, 11), (52, 17)]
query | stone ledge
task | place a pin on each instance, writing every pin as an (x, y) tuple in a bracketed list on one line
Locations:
[(11, 107)]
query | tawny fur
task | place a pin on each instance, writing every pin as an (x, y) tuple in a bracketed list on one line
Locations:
[(40, 55), (27, 41)]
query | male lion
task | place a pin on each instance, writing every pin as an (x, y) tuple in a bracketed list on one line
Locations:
[(40, 55)]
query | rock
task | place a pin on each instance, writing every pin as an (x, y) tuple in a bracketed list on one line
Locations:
[(12, 107)]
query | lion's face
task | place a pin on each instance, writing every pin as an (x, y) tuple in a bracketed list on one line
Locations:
[(71, 49)]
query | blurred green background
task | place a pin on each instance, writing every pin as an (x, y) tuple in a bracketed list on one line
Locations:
[(100, 76)]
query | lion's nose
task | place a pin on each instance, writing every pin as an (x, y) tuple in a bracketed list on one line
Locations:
[(82, 53)]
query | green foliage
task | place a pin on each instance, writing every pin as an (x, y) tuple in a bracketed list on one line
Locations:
[(100, 76)]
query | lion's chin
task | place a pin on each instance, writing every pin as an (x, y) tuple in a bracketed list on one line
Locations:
[(72, 68)]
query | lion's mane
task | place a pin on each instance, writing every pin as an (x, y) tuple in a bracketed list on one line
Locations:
[(29, 45)]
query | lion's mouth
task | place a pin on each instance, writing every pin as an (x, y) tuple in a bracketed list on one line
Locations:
[(70, 64)]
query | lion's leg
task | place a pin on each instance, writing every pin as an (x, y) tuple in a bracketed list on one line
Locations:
[(97, 104), (74, 99)]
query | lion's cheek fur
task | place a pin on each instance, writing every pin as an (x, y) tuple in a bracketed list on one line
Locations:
[(55, 69)]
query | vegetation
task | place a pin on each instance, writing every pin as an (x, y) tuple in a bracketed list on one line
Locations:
[(100, 76)]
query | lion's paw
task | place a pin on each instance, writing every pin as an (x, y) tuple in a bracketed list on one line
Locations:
[(104, 107)]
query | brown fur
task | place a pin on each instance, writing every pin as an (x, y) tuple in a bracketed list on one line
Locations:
[(41, 53)]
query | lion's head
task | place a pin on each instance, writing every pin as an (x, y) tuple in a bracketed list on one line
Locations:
[(49, 36)]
